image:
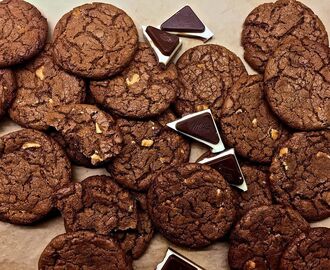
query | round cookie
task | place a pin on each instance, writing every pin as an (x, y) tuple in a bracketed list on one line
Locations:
[(191, 205), (7, 90), (96, 204), (297, 84), (143, 89), (261, 236), (309, 251), (300, 174), (272, 24), (23, 33), (95, 40), (206, 74), (43, 86), (247, 122), (83, 250), (32, 168), (90, 136)]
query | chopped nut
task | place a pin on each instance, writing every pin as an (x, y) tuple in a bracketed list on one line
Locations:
[(130, 208), (201, 65), (274, 134), (147, 143), (97, 128), (30, 145), (5, 88), (134, 79), (201, 107), (218, 192), (286, 167), (250, 265), (95, 158), (239, 111), (189, 181), (51, 101), (162, 160), (40, 73), (254, 122), (133, 142), (182, 151), (283, 151), (322, 154)]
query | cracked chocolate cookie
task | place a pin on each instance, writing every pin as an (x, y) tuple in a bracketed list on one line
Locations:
[(43, 86), (191, 205), (96, 204), (300, 174), (149, 147), (309, 251), (83, 250), (272, 24), (247, 122), (261, 236), (23, 32), (206, 74), (90, 136), (32, 168), (297, 84), (142, 90), (95, 40), (7, 90)]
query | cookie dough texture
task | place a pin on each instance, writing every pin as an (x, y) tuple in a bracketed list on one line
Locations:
[(83, 250), (95, 40), (191, 205), (142, 90), (261, 236), (300, 174), (247, 122), (43, 86), (309, 251), (272, 24), (32, 168), (206, 73), (7, 90)]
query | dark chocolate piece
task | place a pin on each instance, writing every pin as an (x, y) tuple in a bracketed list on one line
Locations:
[(164, 41), (200, 126), (185, 20), (175, 263)]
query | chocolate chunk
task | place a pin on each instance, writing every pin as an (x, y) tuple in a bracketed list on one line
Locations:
[(185, 20), (164, 41)]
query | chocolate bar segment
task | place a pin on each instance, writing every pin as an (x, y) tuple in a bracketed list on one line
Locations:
[(175, 263), (164, 41)]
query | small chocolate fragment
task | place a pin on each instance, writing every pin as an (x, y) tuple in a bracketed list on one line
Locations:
[(164, 41)]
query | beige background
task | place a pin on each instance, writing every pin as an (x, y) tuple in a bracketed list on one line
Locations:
[(20, 247)]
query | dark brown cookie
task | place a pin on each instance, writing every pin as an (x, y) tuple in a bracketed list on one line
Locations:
[(142, 90), (32, 168), (300, 174), (149, 147), (83, 250), (96, 204), (7, 90), (272, 24), (23, 32), (248, 124), (309, 251), (261, 236), (191, 205), (95, 40), (297, 84), (90, 136), (206, 73), (43, 86)]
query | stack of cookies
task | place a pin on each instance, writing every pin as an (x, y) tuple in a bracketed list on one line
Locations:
[(95, 96)]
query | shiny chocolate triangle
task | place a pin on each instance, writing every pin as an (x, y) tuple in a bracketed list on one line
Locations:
[(164, 41)]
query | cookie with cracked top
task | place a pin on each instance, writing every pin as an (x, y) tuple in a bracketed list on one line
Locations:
[(300, 174), (83, 250), (206, 73), (23, 33), (95, 40), (7, 90), (191, 205), (272, 24), (143, 89)]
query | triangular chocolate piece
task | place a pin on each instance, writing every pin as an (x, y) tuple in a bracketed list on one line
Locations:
[(185, 20), (200, 126), (164, 41)]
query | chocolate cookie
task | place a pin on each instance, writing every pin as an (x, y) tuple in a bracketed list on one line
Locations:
[(23, 32), (83, 250), (32, 168), (300, 174), (96, 204), (297, 84), (206, 73), (191, 205), (309, 251), (90, 136), (261, 236), (7, 90), (143, 89), (43, 86), (95, 40), (272, 24), (248, 124), (149, 147)]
